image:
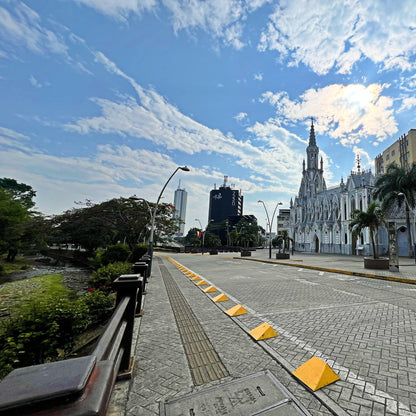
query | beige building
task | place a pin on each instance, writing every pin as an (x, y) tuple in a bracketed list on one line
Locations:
[(402, 152), (283, 220)]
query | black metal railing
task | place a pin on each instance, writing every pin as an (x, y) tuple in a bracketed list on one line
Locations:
[(80, 386)]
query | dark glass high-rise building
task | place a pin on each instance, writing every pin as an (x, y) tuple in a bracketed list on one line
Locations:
[(224, 202)]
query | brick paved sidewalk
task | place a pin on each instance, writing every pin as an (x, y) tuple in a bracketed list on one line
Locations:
[(339, 264), (162, 370)]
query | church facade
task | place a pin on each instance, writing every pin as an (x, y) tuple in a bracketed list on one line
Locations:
[(320, 216)]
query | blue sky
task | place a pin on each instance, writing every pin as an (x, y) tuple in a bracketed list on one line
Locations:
[(105, 98)]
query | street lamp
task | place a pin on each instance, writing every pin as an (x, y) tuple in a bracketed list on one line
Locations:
[(136, 198), (152, 226), (203, 233), (270, 224), (412, 234)]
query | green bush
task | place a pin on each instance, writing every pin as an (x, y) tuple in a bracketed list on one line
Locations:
[(96, 262), (45, 330), (103, 277), (138, 251), (40, 331), (116, 253), (99, 305)]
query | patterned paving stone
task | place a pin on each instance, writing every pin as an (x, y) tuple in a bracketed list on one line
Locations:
[(364, 328)]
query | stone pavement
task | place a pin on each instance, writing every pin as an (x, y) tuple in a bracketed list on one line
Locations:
[(352, 265), (375, 360)]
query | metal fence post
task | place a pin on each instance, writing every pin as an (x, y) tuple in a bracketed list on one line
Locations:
[(128, 285)]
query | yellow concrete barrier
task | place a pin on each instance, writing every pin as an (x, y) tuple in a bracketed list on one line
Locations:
[(236, 310), (220, 298), (315, 373), (263, 331)]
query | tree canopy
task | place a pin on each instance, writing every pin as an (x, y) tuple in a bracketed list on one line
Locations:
[(372, 219), (398, 186), (122, 220), (16, 216)]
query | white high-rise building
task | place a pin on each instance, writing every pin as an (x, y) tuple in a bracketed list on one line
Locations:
[(180, 207)]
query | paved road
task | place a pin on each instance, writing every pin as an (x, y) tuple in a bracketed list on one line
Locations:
[(363, 328)]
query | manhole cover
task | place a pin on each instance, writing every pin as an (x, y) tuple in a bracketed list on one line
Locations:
[(258, 394)]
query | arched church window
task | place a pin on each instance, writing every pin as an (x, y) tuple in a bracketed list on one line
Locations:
[(345, 238), (361, 204), (352, 204)]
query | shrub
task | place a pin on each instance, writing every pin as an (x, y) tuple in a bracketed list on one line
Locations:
[(39, 331), (96, 262), (104, 276), (99, 305), (138, 251), (116, 253)]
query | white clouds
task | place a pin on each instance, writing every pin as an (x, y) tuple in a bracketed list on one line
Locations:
[(22, 27), (407, 103), (240, 116), (324, 35), (258, 77), (158, 121), (348, 113), (36, 83), (119, 9)]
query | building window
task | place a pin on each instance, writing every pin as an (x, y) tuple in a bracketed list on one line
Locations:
[(387, 157), (393, 152)]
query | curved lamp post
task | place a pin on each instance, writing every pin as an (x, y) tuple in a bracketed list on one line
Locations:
[(270, 224), (153, 214), (152, 226)]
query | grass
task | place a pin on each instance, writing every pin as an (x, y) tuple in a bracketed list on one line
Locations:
[(16, 294), (19, 264)]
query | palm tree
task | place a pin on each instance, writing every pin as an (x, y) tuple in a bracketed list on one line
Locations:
[(283, 238), (398, 185), (373, 218)]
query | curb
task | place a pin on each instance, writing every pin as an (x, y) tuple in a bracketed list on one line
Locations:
[(324, 269)]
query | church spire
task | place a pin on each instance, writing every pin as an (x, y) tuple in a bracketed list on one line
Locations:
[(312, 150), (312, 138)]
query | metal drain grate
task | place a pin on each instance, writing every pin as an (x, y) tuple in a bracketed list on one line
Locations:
[(257, 394)]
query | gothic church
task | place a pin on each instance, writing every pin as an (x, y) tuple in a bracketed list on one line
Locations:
[(319, 216)]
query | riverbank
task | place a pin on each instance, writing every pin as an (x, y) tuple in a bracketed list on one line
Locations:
[(75, 278)]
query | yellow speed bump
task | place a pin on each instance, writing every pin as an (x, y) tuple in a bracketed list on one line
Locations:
[(210, 289), (236, 310), (315, 373), (263, 331), (190, 274), (220, 298), (196, 278), (201, 283)]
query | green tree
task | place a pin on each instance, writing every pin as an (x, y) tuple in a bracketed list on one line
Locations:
[(119, 220), (212, 240), (397, 185), (372, 219), (16, 200), (12, 217), (19, 192), (247, 232), (283, 239), (192, 239)]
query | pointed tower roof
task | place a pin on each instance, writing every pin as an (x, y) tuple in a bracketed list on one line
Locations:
[(312, 138)]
